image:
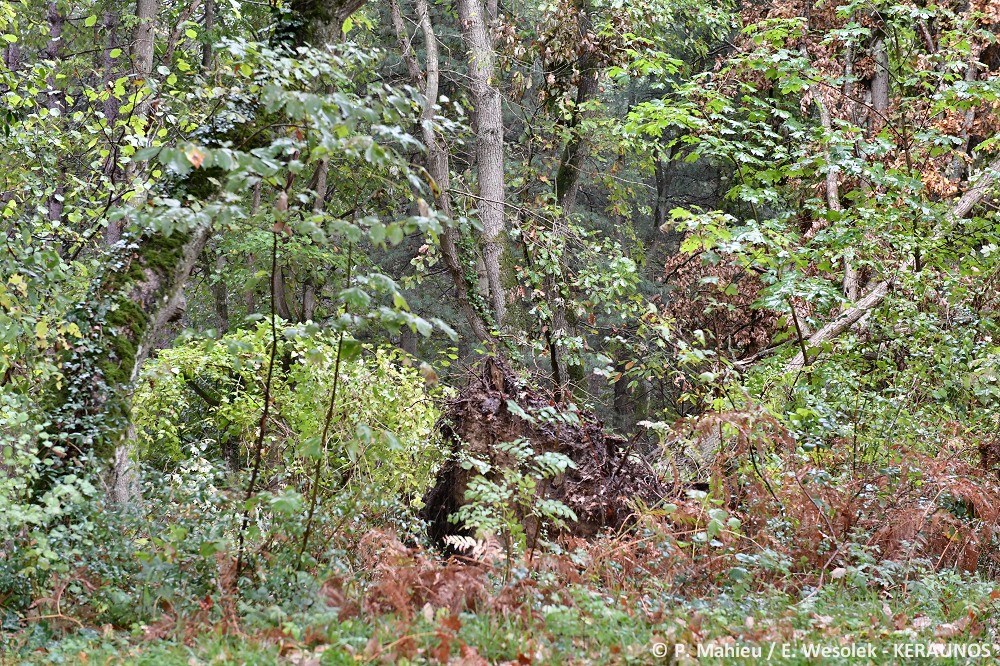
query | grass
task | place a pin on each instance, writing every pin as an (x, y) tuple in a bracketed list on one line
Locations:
[(583, 624)]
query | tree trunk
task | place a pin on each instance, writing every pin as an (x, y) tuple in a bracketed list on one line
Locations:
[(308, 300), (662, 177), (221, 293), (248, 295), (316, 22), (850, 283), (488, 119), (880, 87), (280, 299), (437, 157), (958, 163), (206, 54), (109, 25), (142, 65), (56, 100), (164, 264)]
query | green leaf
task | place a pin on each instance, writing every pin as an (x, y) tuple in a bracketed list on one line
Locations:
[(349, 350), (363, 433), (91, 20), (146, 153), (288, 503), (355, 298), (313, 448), (209, 548)]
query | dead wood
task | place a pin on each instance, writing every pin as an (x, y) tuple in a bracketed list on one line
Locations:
[(607, 476)]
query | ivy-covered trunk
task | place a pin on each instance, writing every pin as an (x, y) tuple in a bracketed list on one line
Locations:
[(141, 291)]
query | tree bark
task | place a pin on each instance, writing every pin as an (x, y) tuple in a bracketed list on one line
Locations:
[(143, 42), (56, 99), (206, 54), (109, 25), (157, 299), (248, 295), (280, 298), (438, 164), (317, 22), (850, 282), (488, 120), (880, 87), (958, 163), (221, 294)]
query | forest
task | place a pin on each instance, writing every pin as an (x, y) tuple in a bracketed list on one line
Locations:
[(479, 332)]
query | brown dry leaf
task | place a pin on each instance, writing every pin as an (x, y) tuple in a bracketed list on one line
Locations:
[(470, 657), (405, 648), (823, 621), (951, 629), (900, 621), (442, 653), (373, 647), (195, 157), (922, 622)]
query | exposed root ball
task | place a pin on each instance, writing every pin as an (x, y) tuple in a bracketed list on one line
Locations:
[(598, 490)]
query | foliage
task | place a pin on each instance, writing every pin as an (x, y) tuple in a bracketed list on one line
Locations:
[(207, 394), (502, 505), (758, 240)]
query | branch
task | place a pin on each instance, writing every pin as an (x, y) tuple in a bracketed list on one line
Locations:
[(175, 36), (875, 297)]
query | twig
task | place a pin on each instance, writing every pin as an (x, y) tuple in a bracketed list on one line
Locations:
[(326, 428)]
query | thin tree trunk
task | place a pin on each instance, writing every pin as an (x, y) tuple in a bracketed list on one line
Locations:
[(850, 283), (880, 86), (308, 300), (53, 49), (221, 293), (56, 100), (280, 298), (488, 119), (958, 163), (143, 42), (109, 25), (206, 54), (125, 486), (248, 295), (437, 156), (175, 35)]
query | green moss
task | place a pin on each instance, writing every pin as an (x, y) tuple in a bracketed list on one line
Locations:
[(129, 321), (161, 253)]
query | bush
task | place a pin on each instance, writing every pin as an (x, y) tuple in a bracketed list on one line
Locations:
[(210, 393)]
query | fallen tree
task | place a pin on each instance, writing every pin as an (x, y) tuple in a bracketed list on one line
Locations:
[(878, 293), (496, 408)]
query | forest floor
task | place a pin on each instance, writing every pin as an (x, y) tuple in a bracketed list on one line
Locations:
[(544, 617)]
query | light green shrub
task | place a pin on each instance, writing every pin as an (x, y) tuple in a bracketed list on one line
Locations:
[(382, 429)]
